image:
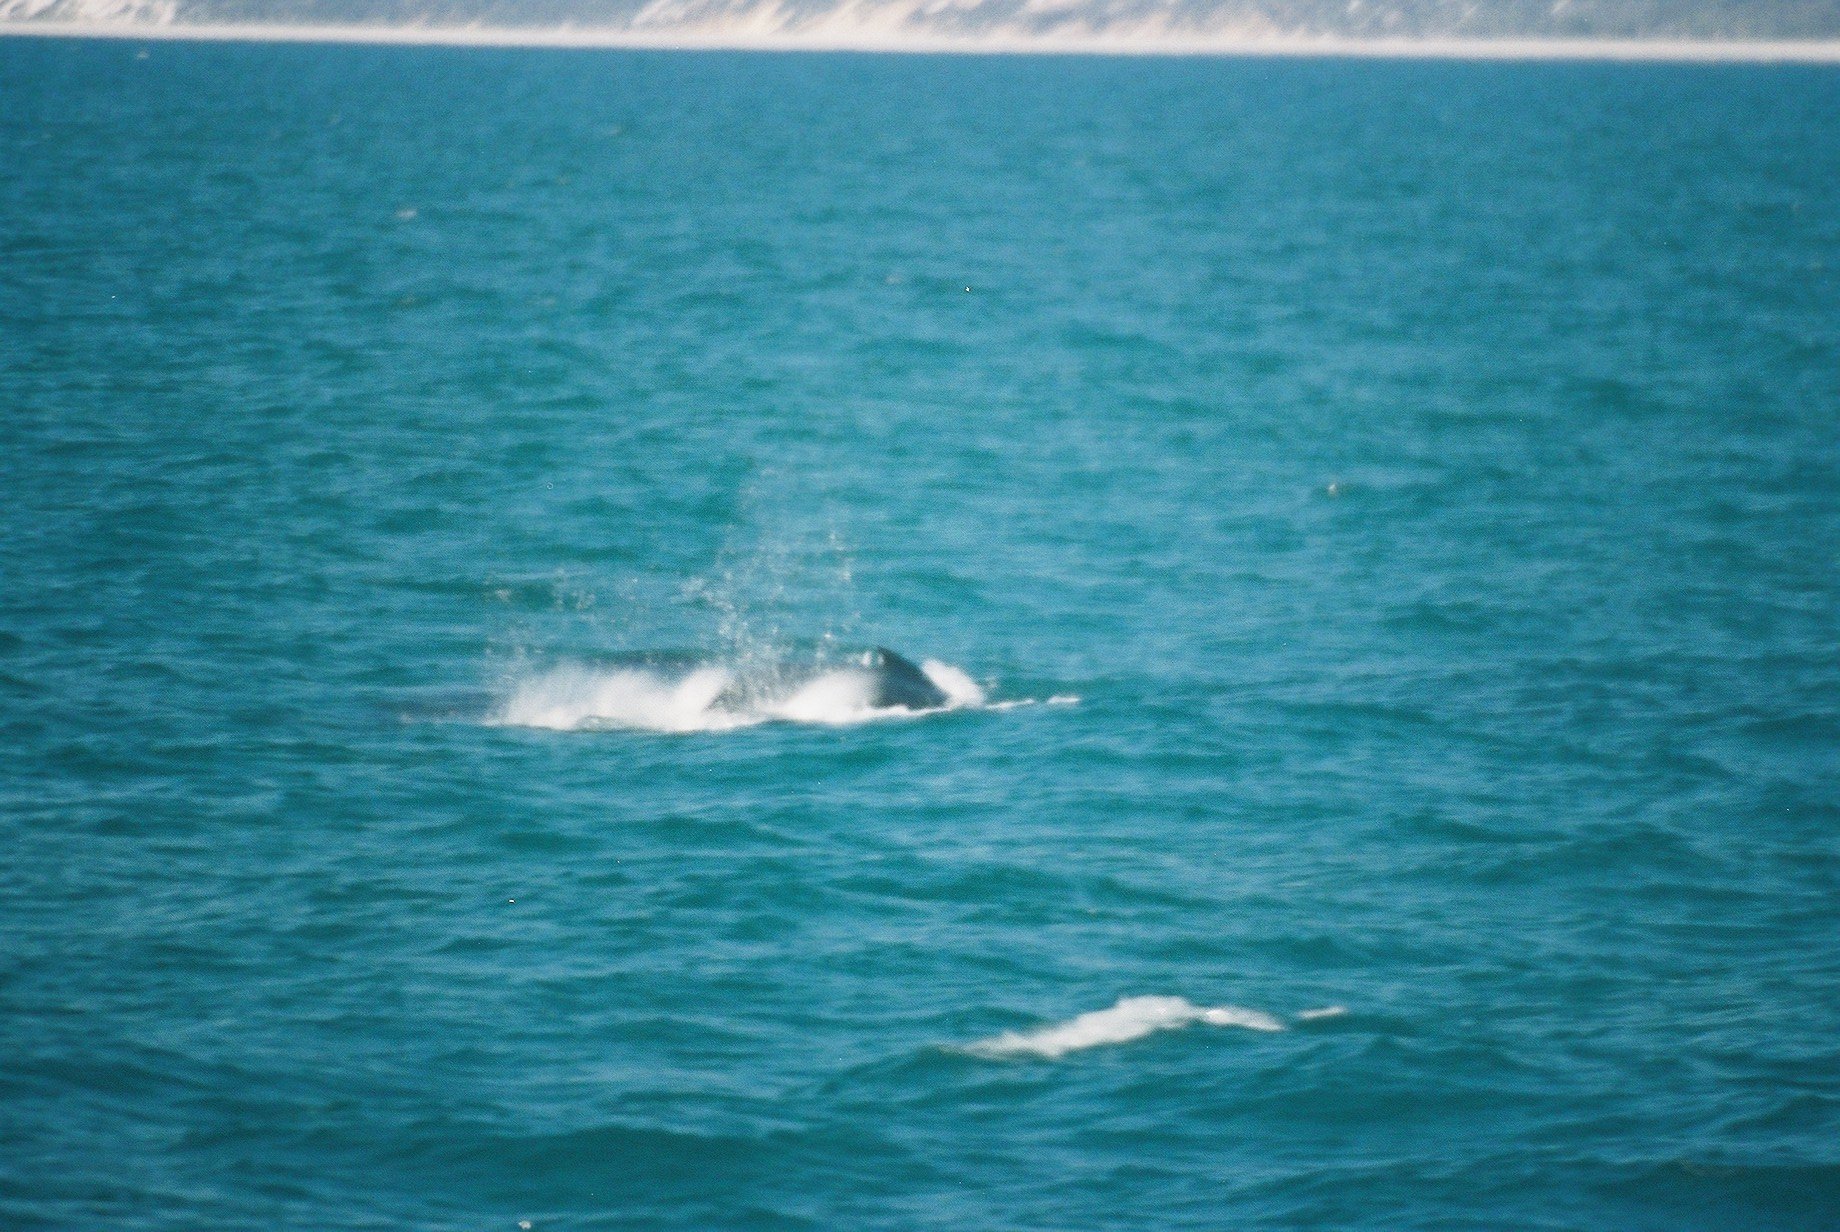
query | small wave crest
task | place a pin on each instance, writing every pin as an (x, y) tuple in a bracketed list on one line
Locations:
[(1327, 1011), (1131, 1018), (711, 697)]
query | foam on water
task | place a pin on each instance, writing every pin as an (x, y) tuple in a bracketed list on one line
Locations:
[(714, 697)]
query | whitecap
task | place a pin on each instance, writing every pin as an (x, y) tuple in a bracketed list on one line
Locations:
[(1327, 1011)]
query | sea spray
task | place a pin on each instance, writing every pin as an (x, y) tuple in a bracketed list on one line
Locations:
[(717, 695)]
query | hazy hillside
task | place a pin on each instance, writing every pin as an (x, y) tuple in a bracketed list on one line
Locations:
[(1699, 19)]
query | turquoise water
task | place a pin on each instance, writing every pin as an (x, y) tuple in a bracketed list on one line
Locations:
[(1377, 522)]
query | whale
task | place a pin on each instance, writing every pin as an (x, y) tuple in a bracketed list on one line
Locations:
[(880, 678), (895, 682), (702, 691)]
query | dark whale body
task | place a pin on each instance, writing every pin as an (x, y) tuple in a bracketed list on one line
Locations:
[(890, 682), (897, 682)]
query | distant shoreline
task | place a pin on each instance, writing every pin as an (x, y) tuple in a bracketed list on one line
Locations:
[(1788, 51)]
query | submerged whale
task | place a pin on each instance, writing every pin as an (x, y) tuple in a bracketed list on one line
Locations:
[(879, 679)]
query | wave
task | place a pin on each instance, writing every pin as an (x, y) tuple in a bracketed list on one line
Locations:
[(1132, 1018), (712, 696)]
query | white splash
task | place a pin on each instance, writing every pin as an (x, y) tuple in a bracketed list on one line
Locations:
[(1132, 1018), (833, 698), (571, 698), (713, 697), (961, 689)]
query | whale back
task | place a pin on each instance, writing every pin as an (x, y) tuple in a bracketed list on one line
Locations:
[(897, 681)]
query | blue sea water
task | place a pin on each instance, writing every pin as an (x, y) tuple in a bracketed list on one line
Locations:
[(1384, 515)]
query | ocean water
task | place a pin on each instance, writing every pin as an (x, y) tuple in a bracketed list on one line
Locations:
[(1373, 527)]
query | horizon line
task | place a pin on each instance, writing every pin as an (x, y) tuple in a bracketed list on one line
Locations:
[(1706, 51)]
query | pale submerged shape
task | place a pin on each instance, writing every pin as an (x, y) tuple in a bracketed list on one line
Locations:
[(1132, 1018)]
